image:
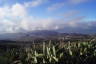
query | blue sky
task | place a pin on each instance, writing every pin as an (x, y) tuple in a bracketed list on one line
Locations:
[(60, 15)]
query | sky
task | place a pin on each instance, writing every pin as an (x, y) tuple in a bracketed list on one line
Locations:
[(61, 15)]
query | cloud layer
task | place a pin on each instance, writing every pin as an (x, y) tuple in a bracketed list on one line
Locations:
[(15, 18), (55, 6)]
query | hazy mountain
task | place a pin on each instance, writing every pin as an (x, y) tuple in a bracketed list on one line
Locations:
[(40, 34), (28, 35)]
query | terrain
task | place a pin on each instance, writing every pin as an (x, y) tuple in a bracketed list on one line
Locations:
[(45, 35), (47, 47)]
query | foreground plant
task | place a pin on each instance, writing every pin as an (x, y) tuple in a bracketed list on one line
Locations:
[(69, 53)]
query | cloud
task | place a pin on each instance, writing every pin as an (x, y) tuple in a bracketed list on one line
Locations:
[(16, 19), (77, 1), (37, 24), (18, 10), (55, 6), (34, 3), (59, 5), (70, 13), (29, 23), (4, 12), (10, 16), (82, 27), (77, 25)]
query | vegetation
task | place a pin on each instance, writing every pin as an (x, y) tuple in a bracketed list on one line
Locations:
[(66, 53)]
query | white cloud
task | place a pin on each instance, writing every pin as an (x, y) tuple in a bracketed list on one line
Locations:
[(31, 24), (55, 6), (34, 3), (70, 13), (10, 23), (6, 26), (15, 19), (10, 16), (77, 1), (4, 12), (18, 10), (59, 5)]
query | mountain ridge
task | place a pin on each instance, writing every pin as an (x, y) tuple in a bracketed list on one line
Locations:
[(42, 34)]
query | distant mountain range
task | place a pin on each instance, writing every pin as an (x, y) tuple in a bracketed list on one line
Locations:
[(28, 35), (41, 34)]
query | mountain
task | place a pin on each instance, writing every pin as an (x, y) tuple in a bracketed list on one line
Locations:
[(43, 35), (39, 34)]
